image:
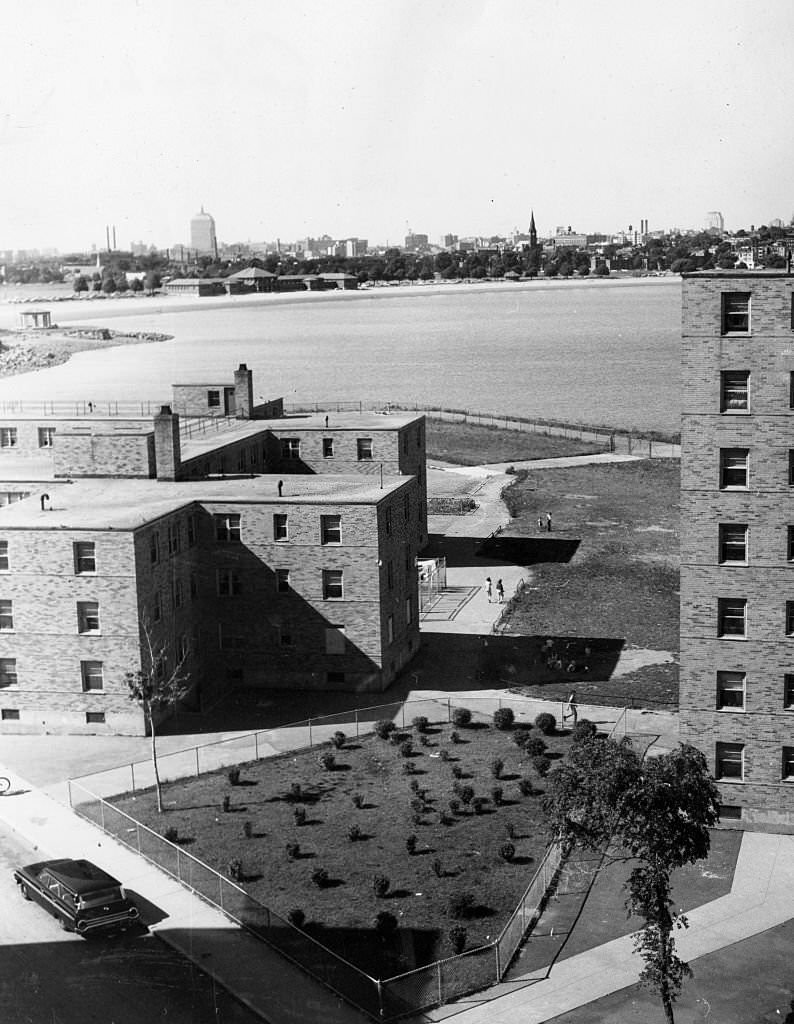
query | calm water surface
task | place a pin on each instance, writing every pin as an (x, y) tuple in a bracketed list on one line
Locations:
[(594, 354)]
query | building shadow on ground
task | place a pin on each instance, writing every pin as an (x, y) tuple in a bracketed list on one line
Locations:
[(461, 552)]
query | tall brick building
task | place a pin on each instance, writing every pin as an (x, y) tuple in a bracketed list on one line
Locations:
[(737, 539), (273, 552)]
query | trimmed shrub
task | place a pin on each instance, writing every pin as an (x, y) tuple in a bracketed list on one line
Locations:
[(233, 775), (510, 828), (478, 804), (438, 868), (338, 739), (414, 785), (454, 737), (546, 723), (296, 917), (525, 787), (327, 761), (457, 771), (320, 877), (380, 885), (385, 924), (248, 829), (457, 938), (444, 818), (466, 794), (410, 844), (503, 718), (293, 850), (507, 852), (461, 717), (358, 800), (384, 728), (417, 805), (406, 748), (496, 767), (295, 794), (461, 905), (443, 754), (299, 816), (583, 730), (226, 803), (541, 764), (235, 870), (171, 834), (497, 795), (454, 805), (408, 767), (420, 723), (535, 746), (354, 834), (520, 736), (424, 741)]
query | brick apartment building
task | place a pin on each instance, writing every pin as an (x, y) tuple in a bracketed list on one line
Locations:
[(272, 552), (737, 539)]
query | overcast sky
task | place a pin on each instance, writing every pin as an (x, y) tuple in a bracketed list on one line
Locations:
[(288, 118)]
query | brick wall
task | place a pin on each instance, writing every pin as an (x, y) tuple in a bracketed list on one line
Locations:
[(104, 455), (28, 430)]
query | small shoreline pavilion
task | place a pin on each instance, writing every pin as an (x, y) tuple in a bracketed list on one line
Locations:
[(737, 539), (246, 547)]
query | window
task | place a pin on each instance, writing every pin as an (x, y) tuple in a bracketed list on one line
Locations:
[(91, 672), (280, 526), (735, 391), (406, 507), (733, 467), (154, 547), (333, 589), (330, 529), (789, 618), (732, 617), (87, 616), (730, 690), (227, 527), (791, 466), (409, 610), (6, 615), (788, 763), (364, 449), (174, 539), (388, 521), (9, 715), (335, 640), (241, 460), (730, 761), (228, 582), (157, 607), (8, 671), (733, 544), (252, 456), (84, 557), (390, 575), (736, 313), (284, 637), (213, 399), (790, 543), (328, 447), (788, 691), (177, 594), (282, 581), (729, 812), (46, 435), (335, 678), (791, 389), (8, 437), (95, 718), (390, 629), (290, 448), (229, 641), (191, 531), (3, 554)]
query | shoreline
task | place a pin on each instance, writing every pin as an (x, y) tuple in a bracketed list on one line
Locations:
[(28, 351)]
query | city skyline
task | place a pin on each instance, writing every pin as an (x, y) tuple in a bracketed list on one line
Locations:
[(454, 118)]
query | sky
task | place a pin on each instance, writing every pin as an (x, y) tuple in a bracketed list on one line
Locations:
[(365, 117)]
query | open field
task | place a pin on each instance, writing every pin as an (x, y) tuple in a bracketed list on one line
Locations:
[(457, 849), (470, 444), (604, 582)]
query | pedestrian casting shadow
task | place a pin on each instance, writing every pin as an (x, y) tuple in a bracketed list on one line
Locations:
[(461, 552)]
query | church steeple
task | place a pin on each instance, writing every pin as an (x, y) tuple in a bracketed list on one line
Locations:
[(533, 234)]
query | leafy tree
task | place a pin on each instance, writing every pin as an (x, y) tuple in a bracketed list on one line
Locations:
[(108, 285), (657, 812), (136, 284), (157, 687), (152, 281)]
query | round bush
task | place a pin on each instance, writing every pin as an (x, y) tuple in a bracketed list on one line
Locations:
[(299, 816), (385, 924), (171, 834), (507, 852), (406, 748), (410, 844), (248, 829), (546, 723), (461, 717), (380, 885), (420, 723), (541, 764), (327, 760), (354, 833), (461, 905), (466, 794), (497, 795), (503, 718), (338, 739), (320, 877), (497, 765), (478, 804), (235, 870), (525, 787), (296, 917), (293, 850), (454, 737), (457, 938), (583, 730), (233, 776), (520, 736), (384, 728), (535, 746)]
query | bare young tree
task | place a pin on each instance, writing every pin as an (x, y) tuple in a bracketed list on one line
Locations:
[(159, 685)]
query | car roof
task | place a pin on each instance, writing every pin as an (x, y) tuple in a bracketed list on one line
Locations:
[(80, 876)]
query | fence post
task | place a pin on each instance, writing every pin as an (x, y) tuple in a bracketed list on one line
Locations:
[(102, 813), (498, 967), (356, 723), (69, 791), (132, 775), (310, 732), (198, 771), (138, 835), (440, 987), (449, 710), (256, 746)]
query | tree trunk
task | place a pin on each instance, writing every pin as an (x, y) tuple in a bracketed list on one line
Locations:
[(668, 1008), (155, 768)]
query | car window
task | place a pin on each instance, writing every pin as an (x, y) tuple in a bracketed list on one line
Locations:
[(98, 899)]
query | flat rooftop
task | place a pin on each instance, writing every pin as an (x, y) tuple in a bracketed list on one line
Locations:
[(111, 504)]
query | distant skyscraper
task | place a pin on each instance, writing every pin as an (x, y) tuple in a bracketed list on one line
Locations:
[(202, 234), (714, 221)]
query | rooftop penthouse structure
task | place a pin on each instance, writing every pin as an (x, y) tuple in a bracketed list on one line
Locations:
[(737, 539), (273, 552)]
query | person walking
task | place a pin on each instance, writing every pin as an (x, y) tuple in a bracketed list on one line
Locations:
[(488, 589), (540, 523), (570, 710), (500, 592)]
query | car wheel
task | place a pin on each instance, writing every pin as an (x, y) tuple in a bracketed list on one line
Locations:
[(23, 891)]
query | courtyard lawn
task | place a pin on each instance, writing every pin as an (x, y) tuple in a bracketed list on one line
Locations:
[(459, 850), (474, 444), (605, 579)]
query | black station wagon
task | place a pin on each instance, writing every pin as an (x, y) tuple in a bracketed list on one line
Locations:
[(83, 897)]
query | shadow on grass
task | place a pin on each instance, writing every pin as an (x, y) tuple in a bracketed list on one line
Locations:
[(496, 551)]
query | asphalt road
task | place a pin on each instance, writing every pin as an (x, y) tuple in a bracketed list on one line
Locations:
[(51, 977)]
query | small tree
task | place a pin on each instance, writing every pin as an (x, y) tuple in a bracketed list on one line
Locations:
[(157, 690), (80, 284)]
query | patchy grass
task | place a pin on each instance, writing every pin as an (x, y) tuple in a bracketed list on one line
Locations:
[(474, 444), (464, 849), (608, 573)]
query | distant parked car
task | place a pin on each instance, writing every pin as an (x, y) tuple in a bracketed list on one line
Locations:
[(82, 897)]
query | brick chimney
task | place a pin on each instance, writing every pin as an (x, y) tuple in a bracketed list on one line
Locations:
[(243, 392), (167, 448)]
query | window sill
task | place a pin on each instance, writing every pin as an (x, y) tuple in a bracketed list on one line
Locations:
[(89, 632), (734, 487), (734, 781), (737, 710), (735, 412), (729, 561), (731, 636)]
